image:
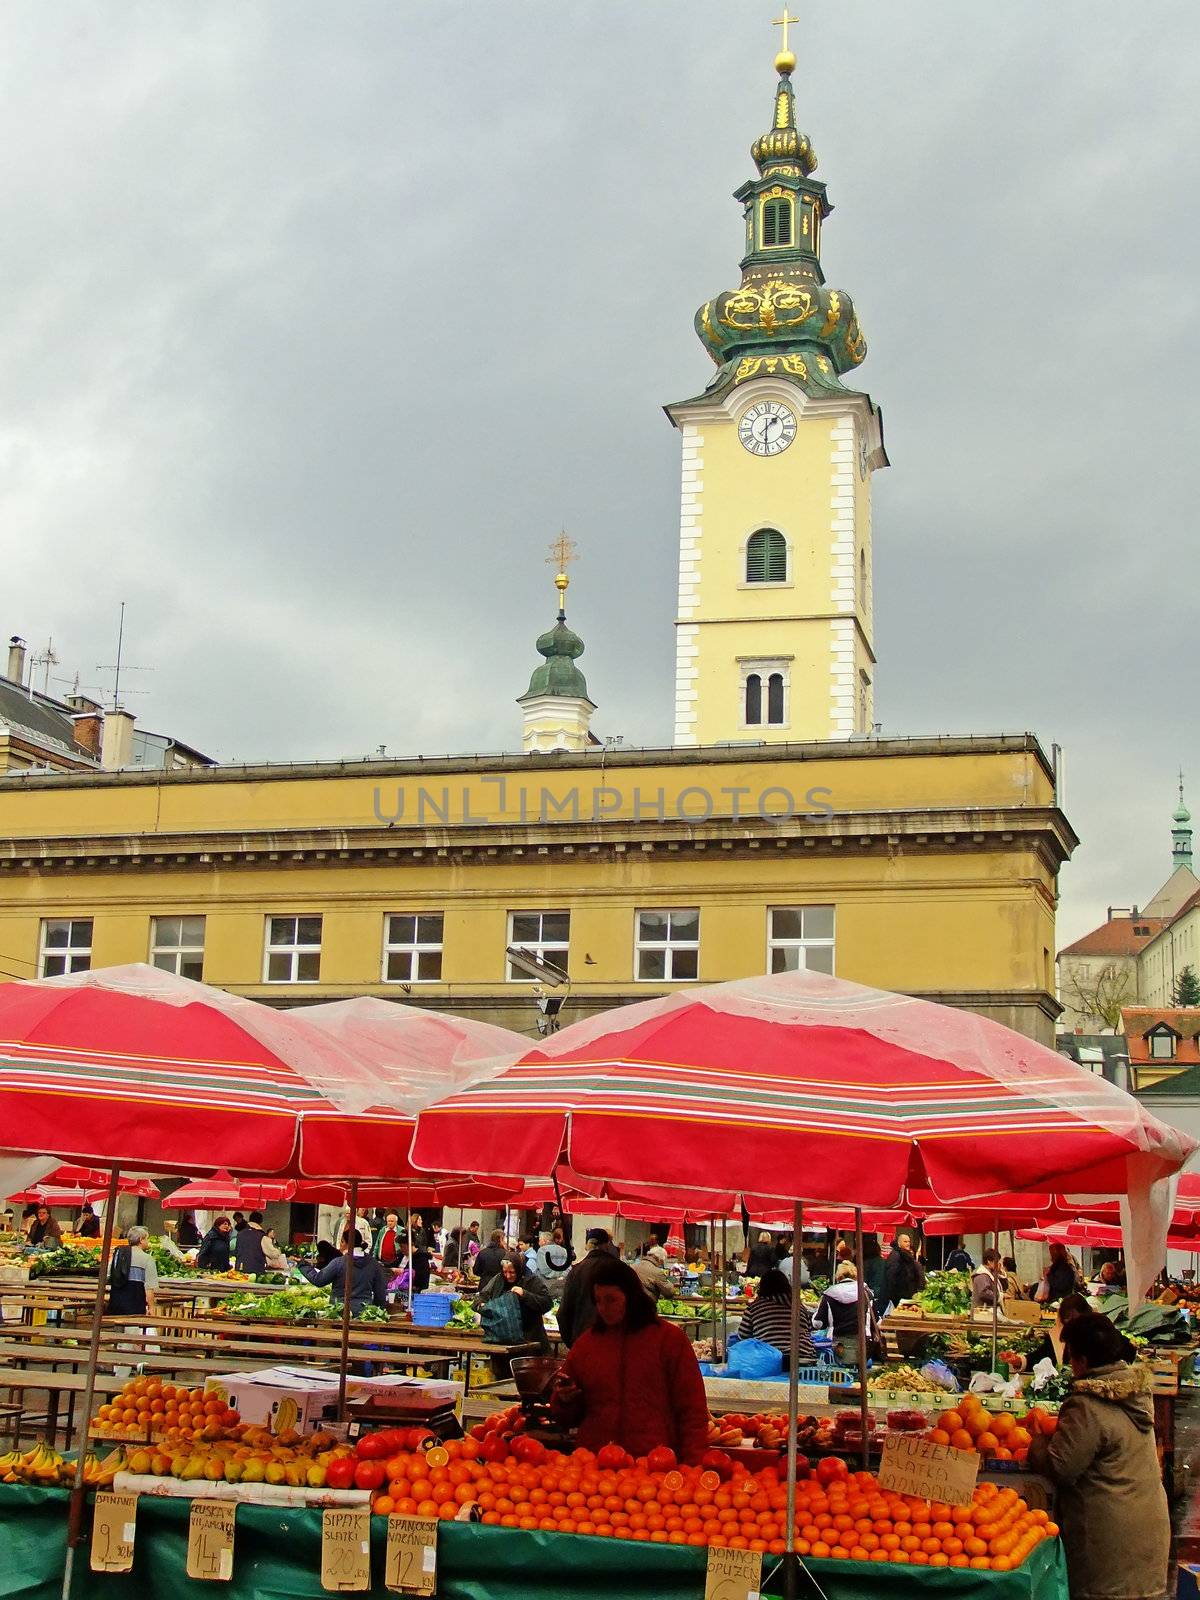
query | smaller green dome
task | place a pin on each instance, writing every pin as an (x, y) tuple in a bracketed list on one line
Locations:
[(558, 674)]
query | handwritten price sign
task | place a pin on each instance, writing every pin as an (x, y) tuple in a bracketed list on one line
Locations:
[(346, 1550), (210, 1539), (113, 1532), (411, 1566), (733, 1575), (912, 1465)]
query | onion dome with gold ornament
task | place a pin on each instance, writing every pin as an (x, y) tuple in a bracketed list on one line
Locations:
[(783, 320)]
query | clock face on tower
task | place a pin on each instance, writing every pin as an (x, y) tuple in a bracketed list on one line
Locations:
[(767, 428)]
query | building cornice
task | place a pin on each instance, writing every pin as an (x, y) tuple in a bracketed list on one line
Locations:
[(934, 831), (599, 759)]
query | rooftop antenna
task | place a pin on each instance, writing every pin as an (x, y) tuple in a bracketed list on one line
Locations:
[(45, 660), (115, 669)]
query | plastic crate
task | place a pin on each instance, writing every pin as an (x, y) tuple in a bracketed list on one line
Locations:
[(430, 1310), (824, 1375)]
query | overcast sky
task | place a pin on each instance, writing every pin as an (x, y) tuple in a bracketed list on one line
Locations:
[(318, 320)]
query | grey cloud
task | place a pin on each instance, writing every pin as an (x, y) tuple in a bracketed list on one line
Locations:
[(317, 321)]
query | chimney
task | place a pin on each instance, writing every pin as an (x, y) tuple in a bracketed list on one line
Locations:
[(117, 745), (16, 660), (87, 732)]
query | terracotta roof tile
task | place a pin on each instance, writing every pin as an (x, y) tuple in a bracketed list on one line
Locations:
[(1138, 1021), (1117, 937)]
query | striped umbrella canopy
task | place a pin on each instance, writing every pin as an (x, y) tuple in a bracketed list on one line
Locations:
[(1099, 1236), (77, 1186), (224, 1192), (799, 1086), (136, 1067)]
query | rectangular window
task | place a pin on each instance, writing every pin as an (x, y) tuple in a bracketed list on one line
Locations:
[(545, 935), (412, 947), (667, 946), (293, 952), (177, 945), (800, 938), (66, 946), (1162, 1047)]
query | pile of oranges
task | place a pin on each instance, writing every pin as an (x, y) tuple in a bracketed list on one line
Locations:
[(840, 1515), (999, 1435), (147, 1409)]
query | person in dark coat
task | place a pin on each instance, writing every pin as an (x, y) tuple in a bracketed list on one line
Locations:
[(762, 1258), (89, 1224), (249, 1255), (576, 1307), (187, 1234), (1060, 1277), (44, 1229), (213, 1255), (487, 1262), (1116, 1527), (514, 1275), (905, 1275), (875, 1269), (368, 1279)]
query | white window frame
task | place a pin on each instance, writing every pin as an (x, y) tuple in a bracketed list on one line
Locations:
[(1163, 1036), (176, 951), (805, 942), (765, 667), (668, 945), (744, 558), (293, 948), (75, 957), (414, 948), (556, 951)]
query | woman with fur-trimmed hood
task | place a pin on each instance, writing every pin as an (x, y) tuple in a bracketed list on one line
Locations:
[(1112, 1507)]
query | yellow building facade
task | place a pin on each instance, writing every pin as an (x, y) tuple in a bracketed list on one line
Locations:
[(923, 866)]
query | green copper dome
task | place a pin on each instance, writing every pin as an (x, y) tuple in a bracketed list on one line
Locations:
[(783, 319), (558, 674), (561, 647)]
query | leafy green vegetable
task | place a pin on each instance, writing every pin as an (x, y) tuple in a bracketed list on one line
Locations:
[(67, 1258), (946, 1294)]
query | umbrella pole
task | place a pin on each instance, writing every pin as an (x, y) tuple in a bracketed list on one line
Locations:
[(791, 1573), (864, 1404), (78, 1491), (712, 1278), (347, 1287), (724, 1286), (996, 1301), (412, 1269)]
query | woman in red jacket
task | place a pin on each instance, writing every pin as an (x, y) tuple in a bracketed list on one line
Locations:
[(632, 1379)]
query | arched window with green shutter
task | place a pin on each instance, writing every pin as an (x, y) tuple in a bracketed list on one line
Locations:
[(766, 557)]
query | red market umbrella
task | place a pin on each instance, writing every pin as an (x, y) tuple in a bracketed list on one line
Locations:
[(76, 1186), (136, 1067), (799, 1086), (223, 1192)]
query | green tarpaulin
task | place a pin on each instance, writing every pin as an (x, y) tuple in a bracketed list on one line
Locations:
[(277, 1557)]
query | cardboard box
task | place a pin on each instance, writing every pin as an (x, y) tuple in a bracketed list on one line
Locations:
[(1027, 1311), (312, 1390)]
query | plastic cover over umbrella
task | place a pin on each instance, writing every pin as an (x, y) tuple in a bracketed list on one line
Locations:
[(136, 1066), (799, 1086)]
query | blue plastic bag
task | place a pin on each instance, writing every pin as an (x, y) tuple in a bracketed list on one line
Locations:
[(752, 1358)]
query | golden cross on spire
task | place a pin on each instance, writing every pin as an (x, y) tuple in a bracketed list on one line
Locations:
[(782, 22), (562, 552)]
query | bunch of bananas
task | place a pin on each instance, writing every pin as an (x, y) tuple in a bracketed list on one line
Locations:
[(45, 1466)]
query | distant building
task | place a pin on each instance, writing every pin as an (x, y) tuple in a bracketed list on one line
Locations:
[(1162, 1042), (41, 734), (1135, 956)]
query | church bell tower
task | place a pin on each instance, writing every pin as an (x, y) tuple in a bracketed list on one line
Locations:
[(774, 634)]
